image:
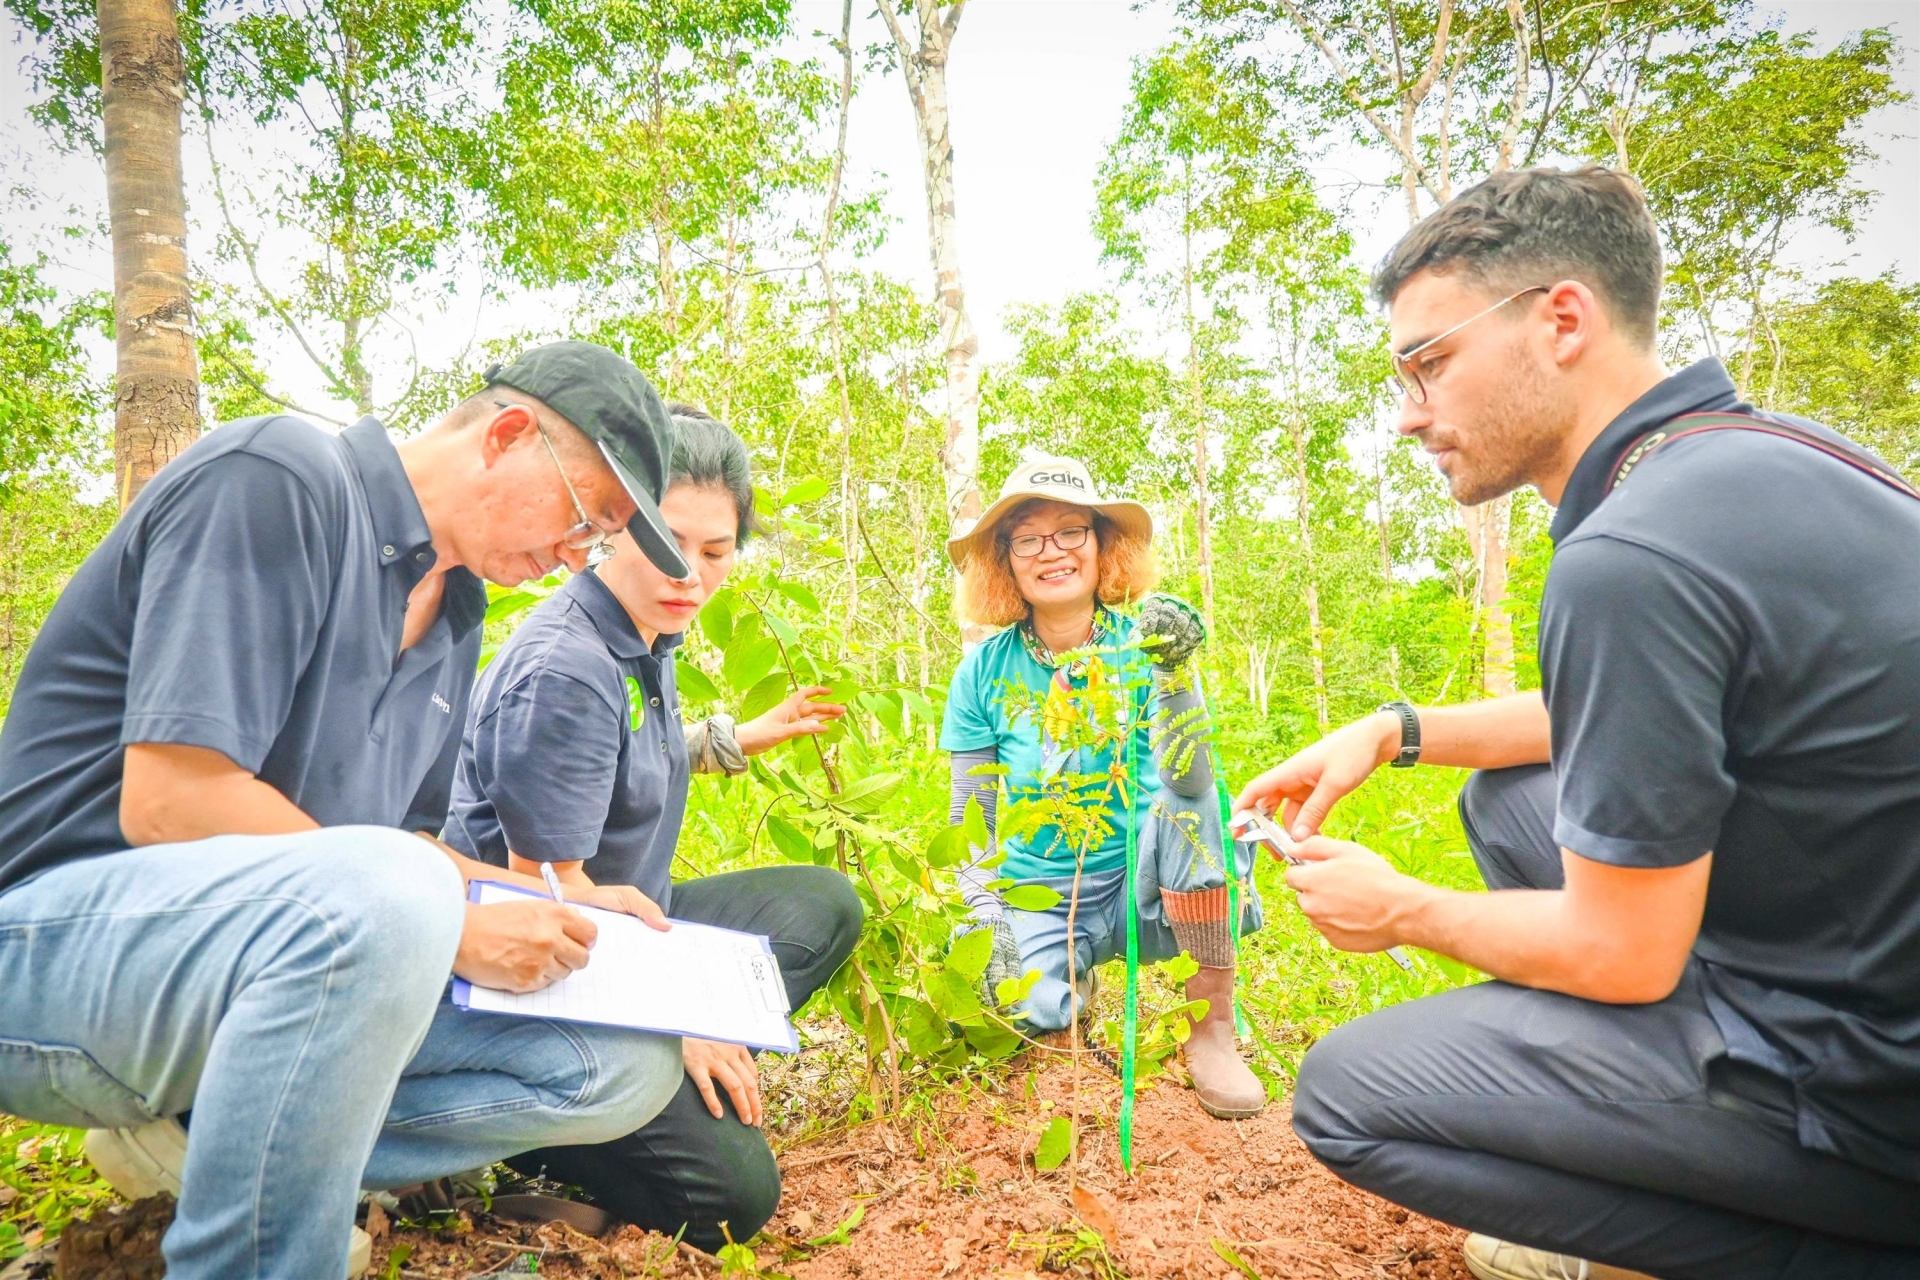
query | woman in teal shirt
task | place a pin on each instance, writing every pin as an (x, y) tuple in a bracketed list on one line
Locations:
[(1066, 732)]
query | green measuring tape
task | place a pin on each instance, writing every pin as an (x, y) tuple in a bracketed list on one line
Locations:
[(1130, 1036)]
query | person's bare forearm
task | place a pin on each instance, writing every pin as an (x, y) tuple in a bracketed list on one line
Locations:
[(1538, 938), (171, 794), (573, 874), (1496, 734), (472, 869), (1519, 936)]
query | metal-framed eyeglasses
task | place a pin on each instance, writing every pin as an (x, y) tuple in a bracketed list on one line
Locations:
[(585, 535), (1406, 369), (1029, 545)]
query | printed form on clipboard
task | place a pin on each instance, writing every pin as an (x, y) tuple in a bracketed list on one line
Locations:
[(693, 980)]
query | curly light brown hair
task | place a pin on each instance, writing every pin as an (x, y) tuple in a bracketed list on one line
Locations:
[(988, 596)]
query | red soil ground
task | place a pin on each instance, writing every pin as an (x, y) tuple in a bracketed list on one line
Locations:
[(953, 1193)]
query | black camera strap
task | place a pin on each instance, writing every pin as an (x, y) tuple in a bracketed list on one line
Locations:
[(1693, 424)]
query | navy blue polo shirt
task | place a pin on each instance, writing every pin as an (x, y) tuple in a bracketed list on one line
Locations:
[(554, 766), (1730, 654), (250, 601)]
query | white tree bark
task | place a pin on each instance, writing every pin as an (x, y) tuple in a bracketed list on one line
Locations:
[(923, 63)]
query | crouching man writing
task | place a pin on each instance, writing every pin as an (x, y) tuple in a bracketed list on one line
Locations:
[(1701, 1056), (246, 700)]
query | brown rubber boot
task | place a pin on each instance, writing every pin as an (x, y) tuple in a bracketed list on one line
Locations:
[(1225, 1086)]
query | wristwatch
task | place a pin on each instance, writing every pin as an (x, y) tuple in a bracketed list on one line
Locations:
[(1409, 754)]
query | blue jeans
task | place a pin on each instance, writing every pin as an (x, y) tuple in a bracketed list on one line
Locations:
[(290, 990), (1100, 931)]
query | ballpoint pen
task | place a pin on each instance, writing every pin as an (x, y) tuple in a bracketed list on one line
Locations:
[(1251, 826), (553, 883)]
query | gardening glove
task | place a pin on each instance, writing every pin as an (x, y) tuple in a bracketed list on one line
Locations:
[(1175, 625), (1003, 963)]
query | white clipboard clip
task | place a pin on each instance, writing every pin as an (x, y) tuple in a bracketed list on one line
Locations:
[(1252, 826)]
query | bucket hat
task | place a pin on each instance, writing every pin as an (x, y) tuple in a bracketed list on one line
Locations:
[(1059, 479)]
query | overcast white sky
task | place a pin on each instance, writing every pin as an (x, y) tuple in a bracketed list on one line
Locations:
[(1037, 89)]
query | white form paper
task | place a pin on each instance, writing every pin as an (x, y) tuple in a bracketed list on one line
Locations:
[(692, 980)]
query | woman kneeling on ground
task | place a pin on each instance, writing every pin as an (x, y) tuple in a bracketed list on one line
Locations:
[(1046, 561), (575, 755)]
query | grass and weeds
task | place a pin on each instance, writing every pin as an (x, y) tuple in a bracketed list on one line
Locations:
[(1294, 986), (45, 1182)]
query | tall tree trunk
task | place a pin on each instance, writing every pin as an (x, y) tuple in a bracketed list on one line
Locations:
[(1303, 514), (157, 377), (923, 64), (1315, 636), (849, 495), (1487, 528)]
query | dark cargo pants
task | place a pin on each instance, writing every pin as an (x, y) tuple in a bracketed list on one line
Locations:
[(686, 1169), (1616, 1133)]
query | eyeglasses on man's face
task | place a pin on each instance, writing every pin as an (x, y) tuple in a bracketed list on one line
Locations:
[(1029, 545), (585, 535), (1407, 365)]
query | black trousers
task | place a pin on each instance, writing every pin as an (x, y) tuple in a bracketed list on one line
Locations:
[(686, 1169), (1617, 1133)]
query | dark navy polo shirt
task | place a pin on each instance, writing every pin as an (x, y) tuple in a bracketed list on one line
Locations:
[(1730, 653), (554, 767), (251, 601)]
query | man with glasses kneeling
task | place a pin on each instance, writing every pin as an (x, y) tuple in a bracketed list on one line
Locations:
[(225, 746), (1701, 1054)]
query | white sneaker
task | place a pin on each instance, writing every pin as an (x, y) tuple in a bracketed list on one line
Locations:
[(146, 1161), (1492, 1259), (140, 1162)]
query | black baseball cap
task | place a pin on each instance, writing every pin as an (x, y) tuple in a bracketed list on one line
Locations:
[(601, 392)]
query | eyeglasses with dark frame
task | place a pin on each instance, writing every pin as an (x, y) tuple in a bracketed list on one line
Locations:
[(1407, 376), (586, 535), (1029, 545)]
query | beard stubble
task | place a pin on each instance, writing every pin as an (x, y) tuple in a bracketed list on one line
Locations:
[(1516, 438)]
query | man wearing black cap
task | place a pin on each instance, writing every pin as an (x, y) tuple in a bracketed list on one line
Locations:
[(243, 704)]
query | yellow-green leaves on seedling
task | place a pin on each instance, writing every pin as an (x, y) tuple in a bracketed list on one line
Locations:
[(1032, 897), (970, 953), (750, 658), (794, 844), (1055, 1144), (1011, 991), (765, 696), (869, 793), (694, 684), (953, 996), (716, 618), (798, 594), (973, 823), (1232, 1258)]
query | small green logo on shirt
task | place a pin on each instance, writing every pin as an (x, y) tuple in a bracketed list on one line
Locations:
[(636, 704)]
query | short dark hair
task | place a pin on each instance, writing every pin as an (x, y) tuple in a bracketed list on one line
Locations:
[(708, 455), (1536, 226)]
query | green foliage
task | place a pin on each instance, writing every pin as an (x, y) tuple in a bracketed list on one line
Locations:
[(50, 1181), (49, 402), (45, 532), (1848, 355), (1056, 1144)]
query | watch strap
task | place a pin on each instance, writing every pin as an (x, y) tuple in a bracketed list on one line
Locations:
[(1409, 754)]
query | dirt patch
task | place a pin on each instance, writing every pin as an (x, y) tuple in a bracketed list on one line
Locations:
[(950, 1191), (120, 1242)]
